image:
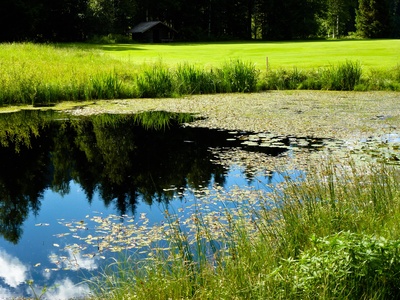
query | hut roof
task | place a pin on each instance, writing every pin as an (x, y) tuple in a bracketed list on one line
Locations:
[(145, 26)]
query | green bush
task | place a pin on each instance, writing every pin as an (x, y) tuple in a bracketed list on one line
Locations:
[(287, 80), (344, 77), (345, 266), (155, 82), (238, 76), (192, 80)]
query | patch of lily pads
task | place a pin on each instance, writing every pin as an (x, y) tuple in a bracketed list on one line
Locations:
[(266, 152), (384, 149)]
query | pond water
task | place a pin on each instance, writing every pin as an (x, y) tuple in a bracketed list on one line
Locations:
[(58, 170)]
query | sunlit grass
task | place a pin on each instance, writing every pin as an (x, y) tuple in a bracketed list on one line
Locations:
[(300, 54), (44, 74)]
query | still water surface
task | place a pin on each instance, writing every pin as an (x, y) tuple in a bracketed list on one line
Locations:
[(56, 169)]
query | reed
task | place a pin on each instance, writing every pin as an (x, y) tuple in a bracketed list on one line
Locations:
[(334, 233), (283, 79), (238, 76), (155, 82), (194, 80), (343, 77)]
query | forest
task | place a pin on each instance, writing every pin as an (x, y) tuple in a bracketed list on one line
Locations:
[(200, 20)]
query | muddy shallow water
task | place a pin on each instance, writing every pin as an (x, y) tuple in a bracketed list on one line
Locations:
[(345, 115), (329, 114)]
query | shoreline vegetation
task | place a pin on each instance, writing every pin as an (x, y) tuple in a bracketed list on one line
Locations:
[(331, 235), (43, 75)]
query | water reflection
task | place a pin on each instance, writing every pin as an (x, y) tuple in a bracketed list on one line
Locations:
[(12, 271), (122, 157), (57, 169)]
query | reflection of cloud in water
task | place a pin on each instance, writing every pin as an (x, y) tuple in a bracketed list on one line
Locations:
[(6, 294), (66, 289), (74, 261), (12, 271), (63, 290)]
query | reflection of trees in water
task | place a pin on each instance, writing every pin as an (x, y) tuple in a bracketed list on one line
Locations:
[(23, 178), (113, 155)]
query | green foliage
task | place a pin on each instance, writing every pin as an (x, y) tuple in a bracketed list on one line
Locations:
[(345, 266), (382, 80), (155, 82), (238, 76), (372, 19), (103, 20), (344, 77), (192, 80), (336, 18), (110, 39), (286, 79), (105, 87)]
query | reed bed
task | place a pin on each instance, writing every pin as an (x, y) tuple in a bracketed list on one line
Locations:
[(44, 74), (333, 232)]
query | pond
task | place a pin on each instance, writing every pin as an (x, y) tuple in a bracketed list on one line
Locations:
[(59, 173)]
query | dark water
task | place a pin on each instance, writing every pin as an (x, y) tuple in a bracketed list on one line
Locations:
[(56, 168)]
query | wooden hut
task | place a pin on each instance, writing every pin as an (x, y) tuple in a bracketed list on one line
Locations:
[(153, 32)]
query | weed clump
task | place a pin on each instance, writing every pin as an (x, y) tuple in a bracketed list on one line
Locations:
[(345, 265)]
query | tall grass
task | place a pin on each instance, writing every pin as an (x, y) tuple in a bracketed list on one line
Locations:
[(193, 80), (343, 77), (334, 234), (44, 74), (238, 76)]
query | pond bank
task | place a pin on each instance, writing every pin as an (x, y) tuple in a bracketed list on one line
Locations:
[(344, 115), (328, 114)]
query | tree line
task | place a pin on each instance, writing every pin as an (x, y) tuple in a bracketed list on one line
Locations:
[(80, 20)]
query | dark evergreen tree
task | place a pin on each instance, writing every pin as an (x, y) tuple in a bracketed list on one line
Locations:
[(286, 19), (394, 8), (62, 20), (19, 19), (372, 19)]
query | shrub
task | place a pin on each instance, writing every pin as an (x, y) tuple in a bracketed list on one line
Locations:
[(285, 79), (155, 82), (237, 76), (346, 266), (192, 80), (106, 86), (344, 77)]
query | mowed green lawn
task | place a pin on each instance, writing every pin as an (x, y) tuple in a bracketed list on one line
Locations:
[(300, 54)]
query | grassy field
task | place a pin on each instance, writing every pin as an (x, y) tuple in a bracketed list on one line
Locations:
[(46, 74), (302, 54)]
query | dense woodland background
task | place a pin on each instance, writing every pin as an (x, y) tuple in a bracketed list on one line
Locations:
[(199, 20)]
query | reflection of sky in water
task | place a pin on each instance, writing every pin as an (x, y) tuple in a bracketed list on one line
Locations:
[(40, 245), (12, 270)]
